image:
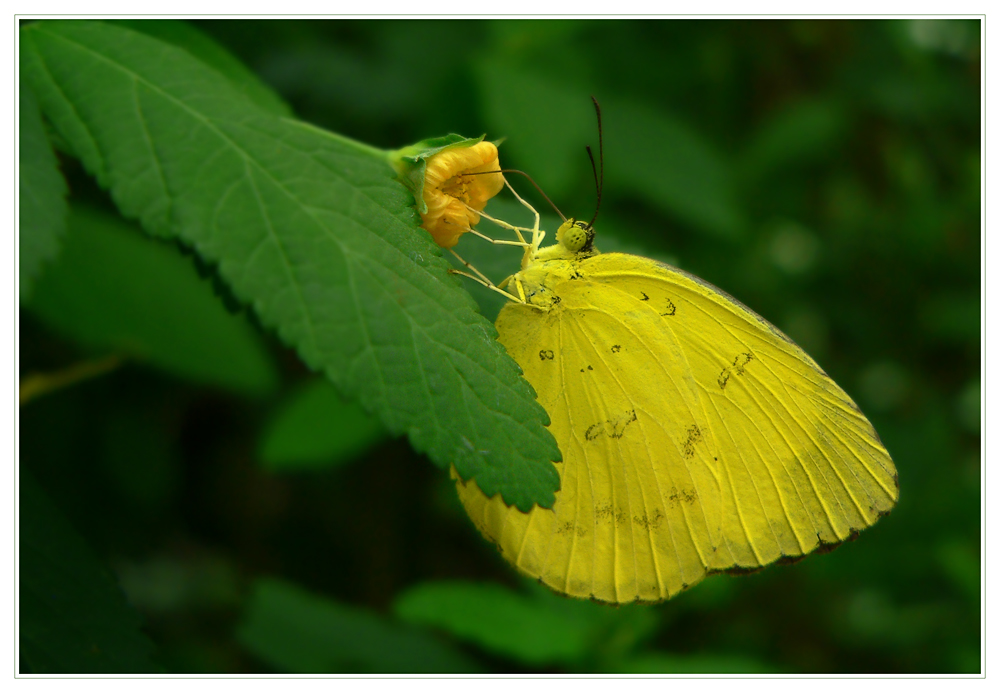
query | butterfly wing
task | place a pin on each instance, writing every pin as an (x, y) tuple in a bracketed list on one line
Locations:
[(696, 437)]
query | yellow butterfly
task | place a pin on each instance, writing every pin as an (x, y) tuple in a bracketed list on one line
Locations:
[(696, 437)]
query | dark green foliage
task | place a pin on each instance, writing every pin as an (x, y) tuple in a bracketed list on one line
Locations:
[(825, 173), (73, 617), (540, 629), (113, 290), (316, 429), (298, 632)]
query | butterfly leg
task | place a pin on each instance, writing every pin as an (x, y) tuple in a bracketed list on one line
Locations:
[(536, 233), (504, 225), (534, 229), (497, 241), (517, 283), (481, 278), (529, 248)]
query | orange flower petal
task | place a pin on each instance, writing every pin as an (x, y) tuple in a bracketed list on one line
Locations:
[(448, 188)]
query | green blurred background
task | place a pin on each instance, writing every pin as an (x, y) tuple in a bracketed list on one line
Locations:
[(826, 173)]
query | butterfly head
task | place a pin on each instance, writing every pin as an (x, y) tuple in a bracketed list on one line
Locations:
[(577, 237)]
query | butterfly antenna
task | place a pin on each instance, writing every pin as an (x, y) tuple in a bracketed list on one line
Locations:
[(530, 180), (597, 185), (599, 182)]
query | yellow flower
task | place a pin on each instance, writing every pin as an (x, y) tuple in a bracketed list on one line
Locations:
[(440, 172), (447, 185)]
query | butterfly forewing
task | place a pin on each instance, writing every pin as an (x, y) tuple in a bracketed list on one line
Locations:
[(695, 436)]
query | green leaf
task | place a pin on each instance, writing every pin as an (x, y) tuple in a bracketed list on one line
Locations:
[(42, 195), (114, 289), (500, 621), (183, 35), (309, 228), (73, 617), (317, 429), (299, 632)]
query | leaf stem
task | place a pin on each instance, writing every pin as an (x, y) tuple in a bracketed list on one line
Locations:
[(38, 384)]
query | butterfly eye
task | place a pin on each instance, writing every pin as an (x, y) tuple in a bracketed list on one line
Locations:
[(575, 235)]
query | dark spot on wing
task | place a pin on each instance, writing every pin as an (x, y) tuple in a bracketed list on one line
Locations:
[(645, 296), (607, 512), (669, 308), (619, 424), (546, 355), (693, 438), (565, 528), (615, 348), (650, 523), (684, 495), (738, 368), (594, 431), (588, 368), (613, 428)]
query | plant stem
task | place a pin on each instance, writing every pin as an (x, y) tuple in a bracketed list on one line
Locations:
[(38, 384)]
